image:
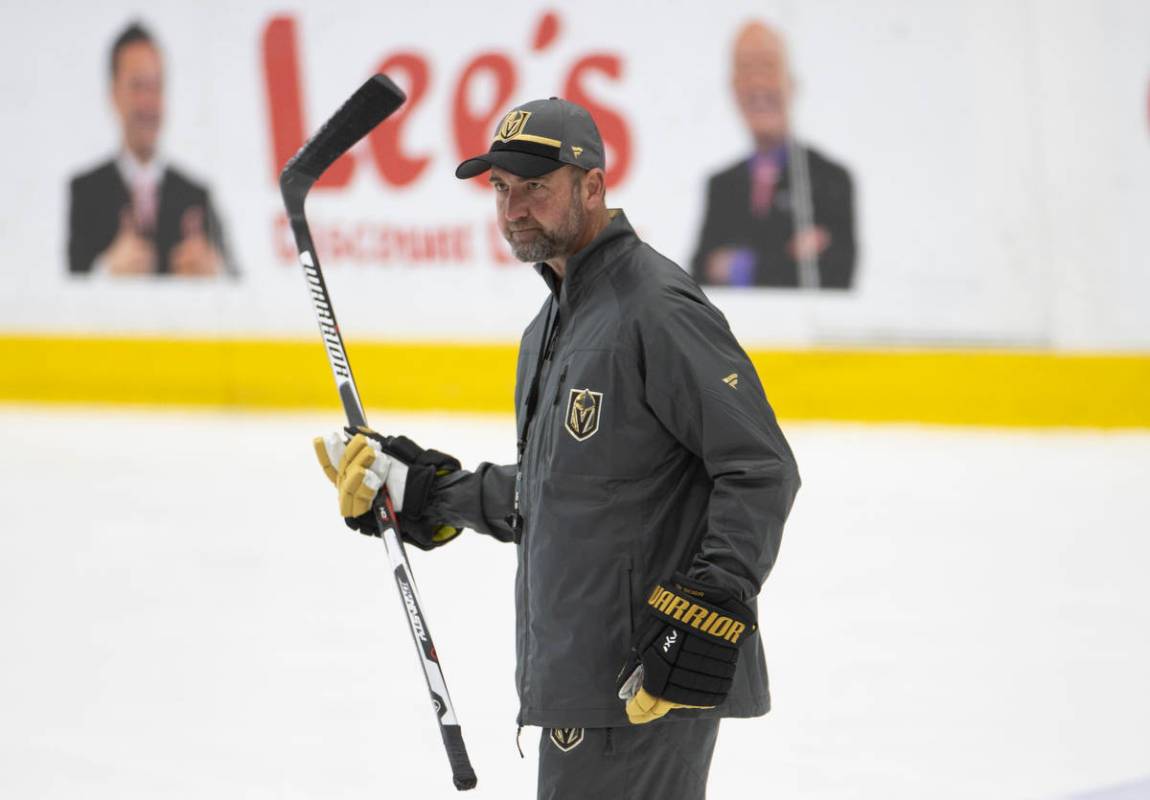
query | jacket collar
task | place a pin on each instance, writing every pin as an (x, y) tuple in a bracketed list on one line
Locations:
[(586, 265)]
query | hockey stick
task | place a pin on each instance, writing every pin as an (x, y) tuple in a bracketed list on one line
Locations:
[(370, 105), (800, 177)]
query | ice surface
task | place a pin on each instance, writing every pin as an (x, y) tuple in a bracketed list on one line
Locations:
[(955, 613)]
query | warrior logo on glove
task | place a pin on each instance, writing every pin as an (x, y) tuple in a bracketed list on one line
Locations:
[(701, 617)]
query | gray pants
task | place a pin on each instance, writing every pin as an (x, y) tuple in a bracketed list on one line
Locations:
[(664, 760)]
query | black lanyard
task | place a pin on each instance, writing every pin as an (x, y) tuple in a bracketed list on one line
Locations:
[(546, 348)]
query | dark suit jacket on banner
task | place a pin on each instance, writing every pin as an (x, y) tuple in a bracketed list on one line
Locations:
[(729, 223), (98, 198)]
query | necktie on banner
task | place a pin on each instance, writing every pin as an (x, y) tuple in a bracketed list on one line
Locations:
[(144, 203), (764, 178)]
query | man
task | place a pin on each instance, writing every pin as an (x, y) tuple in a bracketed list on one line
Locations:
[(785, 215), (650, 494), (135, 214)]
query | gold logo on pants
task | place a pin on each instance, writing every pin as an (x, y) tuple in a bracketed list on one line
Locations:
[(583, 410), (566, 739)]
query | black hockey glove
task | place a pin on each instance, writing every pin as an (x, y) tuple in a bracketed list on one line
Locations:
[(686, 651), (368, 461)]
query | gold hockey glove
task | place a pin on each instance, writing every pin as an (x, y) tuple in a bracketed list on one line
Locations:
[(685, 655), (360, 466)]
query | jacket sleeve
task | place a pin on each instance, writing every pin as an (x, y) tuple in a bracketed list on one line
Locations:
[(703, 388), (482, 500), (709, 235), (82, 247), (834, 210), (216, 234)]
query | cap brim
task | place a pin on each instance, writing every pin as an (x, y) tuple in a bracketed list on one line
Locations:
[(525, 165)]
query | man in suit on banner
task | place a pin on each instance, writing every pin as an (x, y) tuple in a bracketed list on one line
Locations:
[(135, 214), (784, 216)]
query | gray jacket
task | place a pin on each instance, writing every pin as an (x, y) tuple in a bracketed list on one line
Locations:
[(651, 449)]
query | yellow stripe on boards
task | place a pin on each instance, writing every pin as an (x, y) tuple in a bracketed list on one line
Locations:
[(959, 387), (254, 374), (947, 387)]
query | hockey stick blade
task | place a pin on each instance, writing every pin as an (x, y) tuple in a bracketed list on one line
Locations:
[(371, 104)]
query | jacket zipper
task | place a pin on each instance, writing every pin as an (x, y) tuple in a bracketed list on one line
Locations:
[(544, 367), (559, 387)]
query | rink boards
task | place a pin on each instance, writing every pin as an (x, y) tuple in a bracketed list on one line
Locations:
[(1002, 388)]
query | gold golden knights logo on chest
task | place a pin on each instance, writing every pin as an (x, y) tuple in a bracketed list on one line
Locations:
[(584, 408)]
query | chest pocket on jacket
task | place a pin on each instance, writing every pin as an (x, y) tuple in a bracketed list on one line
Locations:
[(600, 423)]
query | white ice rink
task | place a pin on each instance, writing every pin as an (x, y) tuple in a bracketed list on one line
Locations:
[(954, 614)]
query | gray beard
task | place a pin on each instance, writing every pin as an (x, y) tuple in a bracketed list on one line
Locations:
[(550, 244), (541, 248)]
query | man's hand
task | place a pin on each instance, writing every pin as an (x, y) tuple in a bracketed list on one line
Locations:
[(130, 253), (719, 265), (730, 266), (358, 470), (360, 466), (685, 655), (809, 243), (195, 255)]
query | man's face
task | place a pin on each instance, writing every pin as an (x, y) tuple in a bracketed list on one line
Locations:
[(541, 218), (138, 94), (762, 82)]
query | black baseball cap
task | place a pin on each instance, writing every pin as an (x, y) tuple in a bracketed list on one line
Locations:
[(539, 137)]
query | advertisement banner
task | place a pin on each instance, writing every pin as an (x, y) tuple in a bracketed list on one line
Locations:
[(911, 174)]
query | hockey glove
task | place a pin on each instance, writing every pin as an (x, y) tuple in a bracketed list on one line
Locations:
[(359, 467), (685, 653)]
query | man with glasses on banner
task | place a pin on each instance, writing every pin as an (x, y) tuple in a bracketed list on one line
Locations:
[(784, 217)]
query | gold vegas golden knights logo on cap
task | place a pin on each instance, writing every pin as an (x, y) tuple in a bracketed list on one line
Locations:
[(583, 408), (512, 125)]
